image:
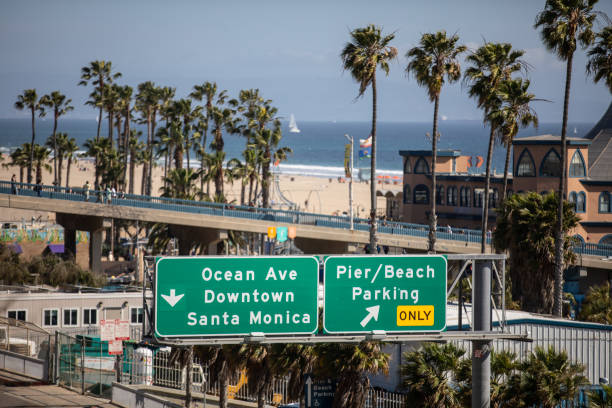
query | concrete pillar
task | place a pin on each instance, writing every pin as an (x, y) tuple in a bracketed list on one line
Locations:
[(313, 246), (95, 251), (70, 243), (189, 236)]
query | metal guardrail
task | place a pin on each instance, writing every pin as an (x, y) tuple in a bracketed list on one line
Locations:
[(264, 214)]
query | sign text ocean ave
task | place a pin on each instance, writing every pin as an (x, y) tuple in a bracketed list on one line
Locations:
[(385, 293), (221, 296)]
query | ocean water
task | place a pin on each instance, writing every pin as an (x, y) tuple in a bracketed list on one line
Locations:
[(318, 150)]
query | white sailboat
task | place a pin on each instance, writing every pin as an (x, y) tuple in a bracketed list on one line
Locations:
[(292, 125)]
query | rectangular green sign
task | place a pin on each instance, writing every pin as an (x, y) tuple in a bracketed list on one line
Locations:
[(225, 296), (389, 293)]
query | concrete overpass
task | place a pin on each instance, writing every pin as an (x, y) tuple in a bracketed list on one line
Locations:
[(207, 223)]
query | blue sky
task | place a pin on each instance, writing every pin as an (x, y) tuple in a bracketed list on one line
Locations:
[(289, 49)]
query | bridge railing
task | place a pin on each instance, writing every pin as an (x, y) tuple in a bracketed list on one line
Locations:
[(265, 214)]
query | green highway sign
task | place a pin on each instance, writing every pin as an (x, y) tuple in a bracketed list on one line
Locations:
[(388, 293), (226, 296)]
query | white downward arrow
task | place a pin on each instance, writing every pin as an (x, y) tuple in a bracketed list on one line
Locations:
[(173, 298), (372, 313)]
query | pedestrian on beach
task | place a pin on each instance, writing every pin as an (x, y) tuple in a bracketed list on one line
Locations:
[(14, 185), (86, 190), (450, 230)]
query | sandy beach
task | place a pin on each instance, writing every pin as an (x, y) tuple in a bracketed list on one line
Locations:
[(310, 194)]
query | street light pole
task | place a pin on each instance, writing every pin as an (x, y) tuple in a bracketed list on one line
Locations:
[(350, 138)]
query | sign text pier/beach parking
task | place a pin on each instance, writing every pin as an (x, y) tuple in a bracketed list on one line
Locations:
[(386, 293), (233, 296)]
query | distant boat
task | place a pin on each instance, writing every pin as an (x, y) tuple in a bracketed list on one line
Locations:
[(292, 125), (575, 130)]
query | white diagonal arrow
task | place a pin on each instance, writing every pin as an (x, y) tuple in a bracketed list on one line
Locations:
[(372, 313), (173, 298)]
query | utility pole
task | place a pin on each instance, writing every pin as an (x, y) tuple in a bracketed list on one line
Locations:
[(350, 139), (481, 349)]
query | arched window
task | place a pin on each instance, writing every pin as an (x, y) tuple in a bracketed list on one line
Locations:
[(407, 194), (407, 166), (464, 198), (421, 166), (577, 168), (604, 202), (580, 202), (578, 238), (551, 165), (421, 194), (493, 198), (451, 196), (478, 196), (571, 198), (525, 166), (606, 240), (440, 195)]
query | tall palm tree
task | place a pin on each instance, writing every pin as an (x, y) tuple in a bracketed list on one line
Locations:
[(29, 100), (362, 56), (434, 59), (513, 113), (564, 24), (60, 105), (491, 64), (125, 110), (207, 91), (69, 150), (600, 58), (99, 73), (135, 149), (146, 102), (267, 141), (58, 143)]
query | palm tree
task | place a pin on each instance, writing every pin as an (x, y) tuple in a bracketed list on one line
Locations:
[(69, 149), (434, 59), (295, 361), (99, 73), (545, 379), (513, 113), (41, 156), (597, 307), (564, 24), (426, 375), (146, 103), (135, 148), (222, 363), (600, 58), (181, 183), (208, 91), (19, 157), (29, 100), (60, 106), (58, 143), (491, 64), (351, 363), (368, 51), (267, 141), (532, 249)]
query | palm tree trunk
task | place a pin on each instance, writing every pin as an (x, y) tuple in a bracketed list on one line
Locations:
[(433, 218), (145, 164), (132, 168), (150, 178), (242, 190), (373, 237), (67, 172), (99, 124), (261, 397), (506, 167), (559, 238), (265, 180), (485, 209), (60, 167), (110, 128), (223, 382), (21, 174), (55, 175), (251, 182), (126, 143), (31, 164)]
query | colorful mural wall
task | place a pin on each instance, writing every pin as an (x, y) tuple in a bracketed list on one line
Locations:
[(39, 235)]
